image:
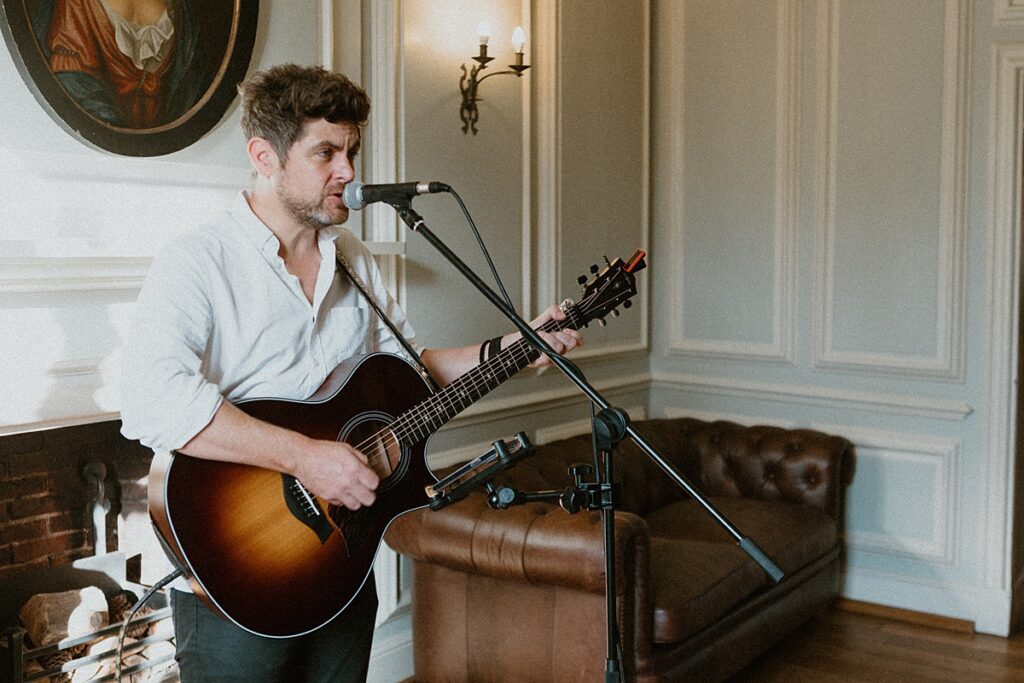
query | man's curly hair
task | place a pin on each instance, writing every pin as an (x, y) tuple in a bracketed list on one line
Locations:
[(278, 102)]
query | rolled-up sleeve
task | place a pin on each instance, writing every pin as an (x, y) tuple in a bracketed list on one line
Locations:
[(166, 400)]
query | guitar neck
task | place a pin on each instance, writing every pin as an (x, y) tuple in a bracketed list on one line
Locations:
[(426, 418)]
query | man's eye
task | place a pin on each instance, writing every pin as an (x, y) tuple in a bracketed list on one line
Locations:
[(325, 154)]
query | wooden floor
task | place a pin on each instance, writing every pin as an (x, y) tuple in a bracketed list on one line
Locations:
[(849, 646)]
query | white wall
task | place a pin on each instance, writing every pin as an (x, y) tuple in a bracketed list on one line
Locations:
[(838, 187)]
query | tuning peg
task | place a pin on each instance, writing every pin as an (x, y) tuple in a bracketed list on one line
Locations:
[(594, 268), (602, 322), (627, 304), (615, 312), (582, 279)]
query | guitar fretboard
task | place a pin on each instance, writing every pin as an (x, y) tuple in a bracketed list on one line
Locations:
[(418, 423)]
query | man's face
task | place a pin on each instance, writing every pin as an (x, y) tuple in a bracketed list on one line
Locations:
[(319, 165)]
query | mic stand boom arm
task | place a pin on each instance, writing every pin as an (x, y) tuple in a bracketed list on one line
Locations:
[(611, 420)]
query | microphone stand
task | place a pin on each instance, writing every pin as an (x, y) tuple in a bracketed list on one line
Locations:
[(610, 425)]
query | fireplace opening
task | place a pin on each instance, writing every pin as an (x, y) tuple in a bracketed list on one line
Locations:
[(76, 552)]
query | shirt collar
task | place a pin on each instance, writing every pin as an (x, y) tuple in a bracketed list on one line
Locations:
[(263, 237)]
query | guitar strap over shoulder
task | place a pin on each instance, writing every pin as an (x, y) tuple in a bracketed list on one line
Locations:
[(344, 268)]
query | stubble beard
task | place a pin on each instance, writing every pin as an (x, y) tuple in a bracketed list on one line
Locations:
[(312, 214)]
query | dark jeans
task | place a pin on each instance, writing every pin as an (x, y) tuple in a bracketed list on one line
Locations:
[(210, 648)]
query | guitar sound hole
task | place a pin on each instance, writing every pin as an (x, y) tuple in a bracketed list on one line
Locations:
[(379, 444)]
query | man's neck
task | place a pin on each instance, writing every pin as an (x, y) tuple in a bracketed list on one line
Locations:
[(295, 238)]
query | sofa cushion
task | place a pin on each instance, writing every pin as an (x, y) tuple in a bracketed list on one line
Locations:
[(698, 571)]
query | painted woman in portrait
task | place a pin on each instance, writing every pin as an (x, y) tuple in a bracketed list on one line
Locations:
[(136, 64)]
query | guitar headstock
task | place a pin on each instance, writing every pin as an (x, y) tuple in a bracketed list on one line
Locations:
[(612, 286)]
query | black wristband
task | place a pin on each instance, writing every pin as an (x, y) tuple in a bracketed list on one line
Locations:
[(483, 351), (493, 347)]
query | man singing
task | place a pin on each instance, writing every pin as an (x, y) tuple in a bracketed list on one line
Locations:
[(251, 305)]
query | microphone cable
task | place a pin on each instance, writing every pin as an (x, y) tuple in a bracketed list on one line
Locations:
[(483, 247), (131, 613)]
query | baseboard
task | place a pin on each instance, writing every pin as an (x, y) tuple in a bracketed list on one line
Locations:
[(905, 615)]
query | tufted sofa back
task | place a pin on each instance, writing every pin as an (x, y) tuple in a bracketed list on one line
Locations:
[(720, 458)]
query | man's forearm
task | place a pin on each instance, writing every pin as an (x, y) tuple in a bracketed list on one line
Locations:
[(234, 436)]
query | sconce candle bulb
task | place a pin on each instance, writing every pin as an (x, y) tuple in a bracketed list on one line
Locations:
[(519, 40), (471, 79)]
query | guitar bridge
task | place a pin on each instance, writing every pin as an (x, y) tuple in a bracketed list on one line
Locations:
[(305, 508)]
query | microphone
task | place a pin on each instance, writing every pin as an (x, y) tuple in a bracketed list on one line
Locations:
[(357, 195)]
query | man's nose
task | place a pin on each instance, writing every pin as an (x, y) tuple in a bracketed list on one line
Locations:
[(343, 169)]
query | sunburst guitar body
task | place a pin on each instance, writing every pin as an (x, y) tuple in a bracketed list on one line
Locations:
[(265, 553)]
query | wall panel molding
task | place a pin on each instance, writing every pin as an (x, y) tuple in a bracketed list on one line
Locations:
[(1008, 12), (636, 412), (888, 403), (385, 163), (542, 244), (940, 456), (524, 403), (947, 360), (543, 249), (1002, 305), (672, 412), (787, 201)]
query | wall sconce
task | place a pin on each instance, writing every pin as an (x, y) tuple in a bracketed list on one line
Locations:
[(469, 83)]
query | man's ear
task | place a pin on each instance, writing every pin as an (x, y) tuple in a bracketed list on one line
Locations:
[(263, 157)]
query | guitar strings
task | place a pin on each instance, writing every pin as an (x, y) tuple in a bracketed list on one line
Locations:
[(467, 386), (470, 383), (408, 424)]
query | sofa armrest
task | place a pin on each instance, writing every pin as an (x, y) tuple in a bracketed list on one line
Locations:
[(538, 543)]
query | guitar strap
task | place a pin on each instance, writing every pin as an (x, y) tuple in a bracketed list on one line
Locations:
[(344, 268)]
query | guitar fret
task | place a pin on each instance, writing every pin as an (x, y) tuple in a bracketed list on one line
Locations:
[(440, 408)]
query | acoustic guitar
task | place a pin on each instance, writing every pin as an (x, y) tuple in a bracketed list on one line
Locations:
[(261, 550)]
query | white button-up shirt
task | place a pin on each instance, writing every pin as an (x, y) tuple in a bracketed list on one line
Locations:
[(220, 317)]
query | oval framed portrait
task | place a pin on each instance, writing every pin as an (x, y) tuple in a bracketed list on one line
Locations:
[(133, 77)]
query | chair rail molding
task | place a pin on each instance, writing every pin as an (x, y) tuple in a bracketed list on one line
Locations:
[(889, 403)]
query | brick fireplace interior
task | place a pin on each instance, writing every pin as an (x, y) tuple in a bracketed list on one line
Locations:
[(48, 499)]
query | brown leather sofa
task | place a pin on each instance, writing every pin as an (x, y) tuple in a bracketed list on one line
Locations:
[(518, 594)]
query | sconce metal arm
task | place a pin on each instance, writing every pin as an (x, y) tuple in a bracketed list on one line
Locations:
[(468, 85)]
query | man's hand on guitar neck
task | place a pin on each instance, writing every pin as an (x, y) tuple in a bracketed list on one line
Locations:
[(331, 470), (562, 341)]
